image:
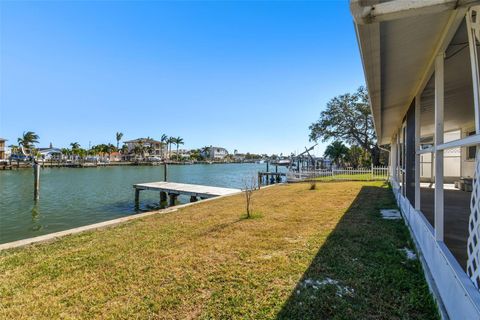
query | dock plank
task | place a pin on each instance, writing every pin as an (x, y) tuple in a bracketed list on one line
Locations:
[(186, 189)]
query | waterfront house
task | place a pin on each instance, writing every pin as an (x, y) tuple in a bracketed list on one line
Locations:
[(181, 153), (150, 148), (215, 153), (50, 154), (3, 155), (240, 157), (421, 66), (115, 156)]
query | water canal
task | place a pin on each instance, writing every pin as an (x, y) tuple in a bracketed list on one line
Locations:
[(73, 197)]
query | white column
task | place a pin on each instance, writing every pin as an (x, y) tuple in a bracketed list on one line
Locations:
[(417, 156), (393, 159), (472, 44), (398, 170), (439, 106)]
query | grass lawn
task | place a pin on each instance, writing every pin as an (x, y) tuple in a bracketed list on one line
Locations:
[(307, 254)]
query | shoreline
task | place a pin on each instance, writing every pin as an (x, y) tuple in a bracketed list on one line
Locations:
[(28, 165)]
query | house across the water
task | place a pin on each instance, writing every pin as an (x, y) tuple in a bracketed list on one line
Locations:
[(50, 154), (3, 155), (215, 153), (150, 148), (422, 71)]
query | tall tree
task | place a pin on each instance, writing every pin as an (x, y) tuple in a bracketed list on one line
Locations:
[(118, 137), (337, 151), (75, 146), (170, 141), (358, 157), (348, 118), (205, 151), (178, 142), (124, 149), (163, 141), (13, 148), (139, 149), (75, 149), (28, 140)]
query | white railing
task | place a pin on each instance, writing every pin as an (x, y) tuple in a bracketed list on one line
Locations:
[(346, 174)]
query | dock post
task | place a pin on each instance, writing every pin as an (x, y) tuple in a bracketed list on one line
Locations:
[(276, 168), (259, 180), (36, 181), (193, 199), (165, 171), (172, 199), (137, 197), (267, 165), (163, 196)]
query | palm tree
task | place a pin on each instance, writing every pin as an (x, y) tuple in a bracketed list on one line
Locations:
[(75, 149), (66, 152), (124, 149), (118, 137), (28, 140), (205, 152), (109, 148), (163, 141), (178, 142), (75, 145), (170, 141), (13, 148), (336, 151), (139, 150)]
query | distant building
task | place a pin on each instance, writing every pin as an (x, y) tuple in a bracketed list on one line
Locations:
[(238, 156), (50, 153), (151, 148), (215, 153), (115, 156), (182, 153), (3, 155)]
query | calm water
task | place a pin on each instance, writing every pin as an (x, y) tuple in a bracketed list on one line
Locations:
[(76, 197)]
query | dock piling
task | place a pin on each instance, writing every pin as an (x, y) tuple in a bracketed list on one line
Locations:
[(172, 190), (36, 181), (163, 196), (172, 199), (137, 197)]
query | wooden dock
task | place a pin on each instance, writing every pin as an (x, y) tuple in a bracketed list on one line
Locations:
[(270, 177), (174, 189)]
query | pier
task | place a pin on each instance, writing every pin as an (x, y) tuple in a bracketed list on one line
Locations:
[(270, 177), (174, 189)]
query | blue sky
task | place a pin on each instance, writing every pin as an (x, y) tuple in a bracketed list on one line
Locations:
[(245, 75)]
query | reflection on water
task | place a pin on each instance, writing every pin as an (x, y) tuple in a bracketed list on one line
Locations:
[(75, 197)]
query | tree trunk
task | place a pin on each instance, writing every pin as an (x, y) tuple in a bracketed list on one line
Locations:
[(375, 155)]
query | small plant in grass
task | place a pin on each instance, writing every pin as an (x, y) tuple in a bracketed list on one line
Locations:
[(249, 184), (313, 182)]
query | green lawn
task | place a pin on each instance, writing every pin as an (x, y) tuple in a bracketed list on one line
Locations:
[(306, 254)]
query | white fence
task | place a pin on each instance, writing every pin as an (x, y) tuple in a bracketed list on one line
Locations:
[(347, 174)]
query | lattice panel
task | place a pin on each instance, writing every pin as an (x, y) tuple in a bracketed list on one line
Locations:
[(473, 244)]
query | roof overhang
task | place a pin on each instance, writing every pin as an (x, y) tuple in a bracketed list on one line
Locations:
[(398, 42)]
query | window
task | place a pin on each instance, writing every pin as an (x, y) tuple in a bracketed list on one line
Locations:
[(472, 150)]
